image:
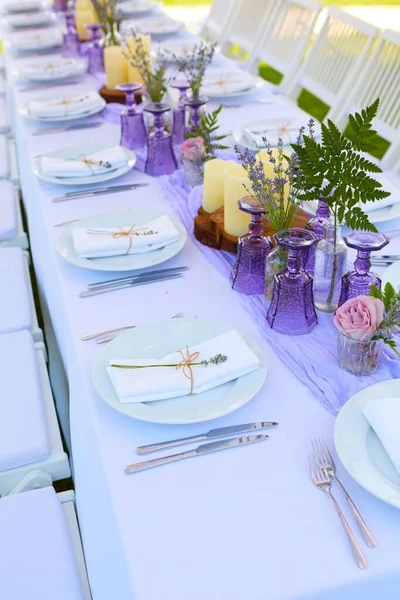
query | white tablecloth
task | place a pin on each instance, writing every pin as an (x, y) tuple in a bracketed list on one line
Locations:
[(240, 524)]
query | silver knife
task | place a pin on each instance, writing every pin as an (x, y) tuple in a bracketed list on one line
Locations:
[(203, 449), (142, 281), (214, 433), (98, 192), (67, 128), (110, 282)]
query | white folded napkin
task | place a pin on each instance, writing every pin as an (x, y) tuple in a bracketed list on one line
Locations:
[(51, 68), (66, 106), (35, 40), (160, 383), (14, 6), (104, 161), (126, 9), (388, 185), (223, 83), (383, 414), (28, 20), (285, 130), (127, 239)]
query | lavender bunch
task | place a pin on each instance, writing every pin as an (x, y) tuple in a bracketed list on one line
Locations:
[(279, 195), (194, 65), (156, 80), (107, 12), (390, 326)]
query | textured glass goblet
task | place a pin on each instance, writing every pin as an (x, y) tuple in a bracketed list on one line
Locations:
[(95, 51), (160, 153), (179, 113), (60, 5), (292, 308), (195, 104), (71, 45), (358, 282), (317, 226), (133, 129), (248, 274)]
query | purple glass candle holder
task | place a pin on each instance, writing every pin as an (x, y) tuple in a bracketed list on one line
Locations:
[(292, 308), (358, 282), (160, 153), (195, 104), (60, 5), (95, 51), (179, 113), (317, 226), (71, 44), (248, 274), (133, 129)]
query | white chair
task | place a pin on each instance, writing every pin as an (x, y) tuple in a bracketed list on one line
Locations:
[(335, 60), (41, 555), (5, 168), (17, 307), (246, 23), (218, 18), (11, 227), (380, 78), (31, 449), (284, 39), (4, 118)]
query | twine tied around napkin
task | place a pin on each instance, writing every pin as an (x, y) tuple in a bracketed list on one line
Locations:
[(125, 233), (186, 365), (284, 128), (90, 162)]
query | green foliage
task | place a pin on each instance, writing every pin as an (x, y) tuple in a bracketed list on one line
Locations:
[(335, 170), (388, 296), (391, 322), (209, 125)]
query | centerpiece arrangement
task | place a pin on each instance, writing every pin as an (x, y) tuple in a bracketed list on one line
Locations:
[(108, 18)]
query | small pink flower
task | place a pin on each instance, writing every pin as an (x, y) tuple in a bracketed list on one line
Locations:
[(360, 317), (193, 149)]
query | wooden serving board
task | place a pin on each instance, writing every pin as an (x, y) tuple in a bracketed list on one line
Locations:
[(116, 96), (209, 229)]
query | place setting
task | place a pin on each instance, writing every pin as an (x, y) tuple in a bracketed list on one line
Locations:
[(230, 84), (154, 26), (36, 40), (30, 20), (134, 8), (49, 71), (250, 135), (10, 7), (50, 109)]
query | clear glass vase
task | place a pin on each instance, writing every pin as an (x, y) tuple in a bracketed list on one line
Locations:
[(330, 266), (275, 264), (194, 171), (112, 36), (359, 357), (317, 226)]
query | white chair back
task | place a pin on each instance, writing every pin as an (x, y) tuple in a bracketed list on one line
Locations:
[(335, 60), (380, 78), (218, 18), (284, 39), (247, 22)]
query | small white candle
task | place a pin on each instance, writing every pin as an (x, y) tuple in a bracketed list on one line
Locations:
[(214, 178), (236, 222), (116, 66)]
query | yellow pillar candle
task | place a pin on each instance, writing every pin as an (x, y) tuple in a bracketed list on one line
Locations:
[(116, 66), (85, 14), (214, 177), (134, 75), (236, 222)]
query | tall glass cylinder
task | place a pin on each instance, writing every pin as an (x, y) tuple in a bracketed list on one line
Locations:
[(317, 226), (330, 266)]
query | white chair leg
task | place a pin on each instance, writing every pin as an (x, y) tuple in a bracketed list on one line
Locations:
[(33, 480)]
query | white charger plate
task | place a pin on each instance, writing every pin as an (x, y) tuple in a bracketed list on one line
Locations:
[(360, 449), (156, 340), (126, 262), (76, 152), (24, 111)]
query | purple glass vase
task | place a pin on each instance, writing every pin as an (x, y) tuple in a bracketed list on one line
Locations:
[(317, 226), (71, 44), (95, 51), (133, 129), (160, 153), (292, 308), (195, 104), (60, 5), (248, 274), (179, 113), (358, 282)]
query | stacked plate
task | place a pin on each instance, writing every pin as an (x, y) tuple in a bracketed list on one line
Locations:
[(155, 26), (35, 40), (133, 8), (52, 68), (31, 19), (66, 108)]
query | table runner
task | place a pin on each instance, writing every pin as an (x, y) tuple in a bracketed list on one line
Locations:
[(312, 357)]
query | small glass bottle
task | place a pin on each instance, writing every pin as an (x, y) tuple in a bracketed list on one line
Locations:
[(248, 274), (317, 226), (330, 266), (358, 282)]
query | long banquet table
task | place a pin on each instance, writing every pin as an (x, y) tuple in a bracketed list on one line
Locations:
[(228, 526)]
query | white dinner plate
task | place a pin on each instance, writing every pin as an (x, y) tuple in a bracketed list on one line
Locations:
[(272, 128), (132, 9), (78, 68), (126, 262), (13, 6), (34, 19), (76, 152), (156, 340), (219, 84), (392, 275), (360, 449), (160, 26), (23, 110), (171, 51)]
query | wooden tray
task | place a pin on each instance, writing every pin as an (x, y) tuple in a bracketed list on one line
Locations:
[(116, 96), (209, 229)]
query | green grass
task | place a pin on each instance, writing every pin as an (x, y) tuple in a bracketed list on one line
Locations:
[(326, 2)]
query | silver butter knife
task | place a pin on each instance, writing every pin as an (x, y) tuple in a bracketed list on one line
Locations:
[(110, 282), (100, 191), (203, 449), (214, 433), (67, 128), (134, 283)]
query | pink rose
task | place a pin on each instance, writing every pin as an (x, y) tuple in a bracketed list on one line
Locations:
[(360, 317), (193, 149)]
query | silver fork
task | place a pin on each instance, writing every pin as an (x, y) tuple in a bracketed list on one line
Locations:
[(321, 480), (116, 332), (325, 461)]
